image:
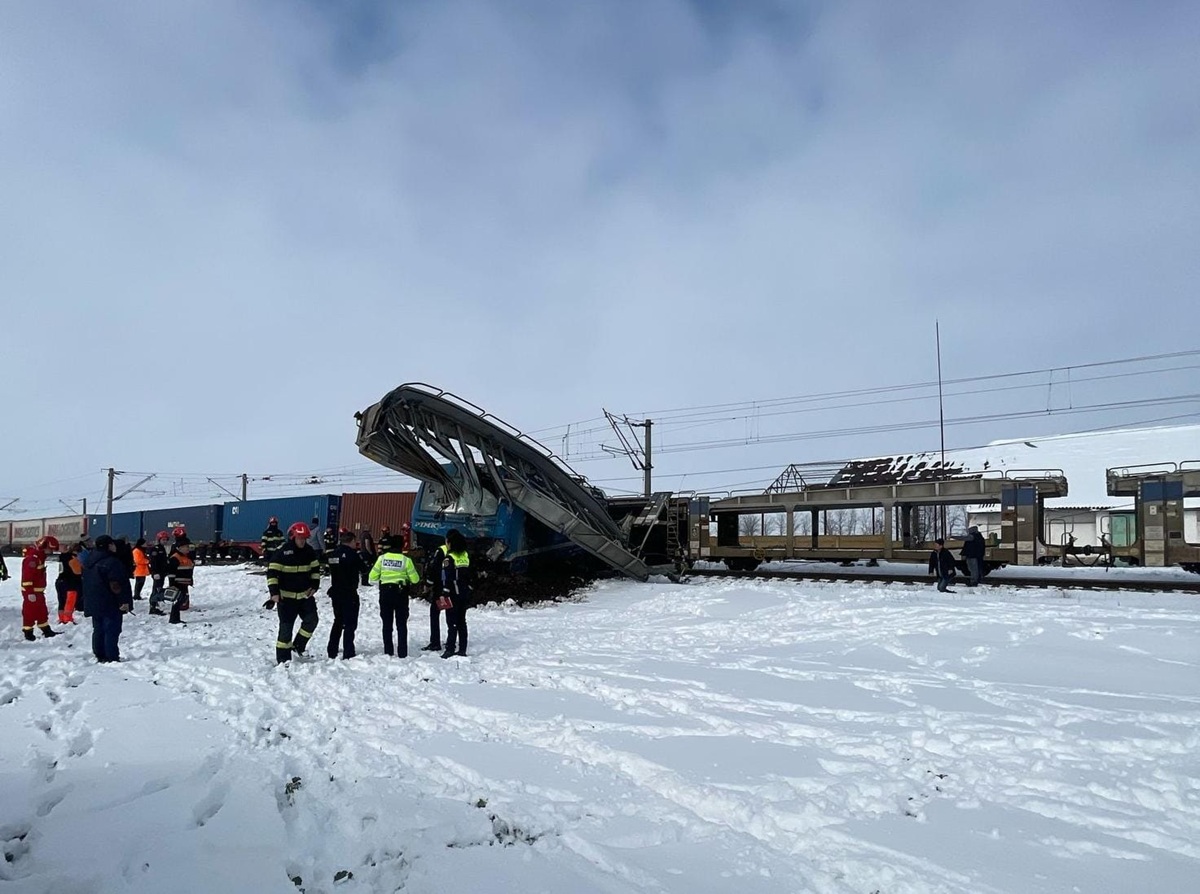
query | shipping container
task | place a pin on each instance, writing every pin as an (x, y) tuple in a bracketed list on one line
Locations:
[(67, 529), (5, 534), (128, 524), (203, 523), (370, 512), (27, 531), (245, 520)]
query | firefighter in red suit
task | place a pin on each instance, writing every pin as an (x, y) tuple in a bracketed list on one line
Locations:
[(33, 587)]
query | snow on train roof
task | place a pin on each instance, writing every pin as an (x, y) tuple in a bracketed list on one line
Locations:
[(1083, 458)]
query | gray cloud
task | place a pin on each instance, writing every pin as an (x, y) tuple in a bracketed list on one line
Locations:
[(228, 226)]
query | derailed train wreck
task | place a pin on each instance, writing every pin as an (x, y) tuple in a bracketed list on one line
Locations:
[(521, 507), (526, 511)]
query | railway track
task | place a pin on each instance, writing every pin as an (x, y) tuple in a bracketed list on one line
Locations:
[(1034, 583)]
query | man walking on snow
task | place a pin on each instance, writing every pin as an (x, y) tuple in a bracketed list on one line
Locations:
[(293, 576)]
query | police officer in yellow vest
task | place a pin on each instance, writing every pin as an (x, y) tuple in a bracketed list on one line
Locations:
[(395, 573), (456, 585)]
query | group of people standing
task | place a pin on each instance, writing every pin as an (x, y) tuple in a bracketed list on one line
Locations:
[(942, 564), (95, 576), (294, 570)]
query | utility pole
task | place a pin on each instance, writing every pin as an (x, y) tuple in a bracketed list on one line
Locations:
[(937, 332), (112, 475), (637, 451), (649, 465), (245, 483)]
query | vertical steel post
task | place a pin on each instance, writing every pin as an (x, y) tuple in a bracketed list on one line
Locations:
[(112, 474)]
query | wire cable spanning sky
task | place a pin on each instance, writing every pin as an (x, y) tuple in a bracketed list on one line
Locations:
[(1068, 396), (228, 226)]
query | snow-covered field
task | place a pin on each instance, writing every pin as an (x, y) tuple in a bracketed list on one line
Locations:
[(715, 737)]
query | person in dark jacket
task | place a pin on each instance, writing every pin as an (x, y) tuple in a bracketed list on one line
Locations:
[(107, 596), (433, 578), (366, 551), (456, 585), (125, 554), (272, 539), (973, 550), (158, 569), (69, 584), (941, 563), (345, 570), (181, 568), (293, 576)]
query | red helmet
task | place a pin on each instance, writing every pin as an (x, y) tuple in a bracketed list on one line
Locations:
[(179, 531), (48, 542), (162, 535), (299, 529)]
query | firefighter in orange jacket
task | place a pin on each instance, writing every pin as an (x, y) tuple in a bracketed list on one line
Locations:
[(33, 588)]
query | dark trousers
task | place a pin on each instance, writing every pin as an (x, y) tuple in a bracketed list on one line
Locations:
[(156, 590), (393, 608), (975, 567), (345, 622), (456, 624), (289, 609), (138, 583), (106, 635), (435, 622), (945, 579), (181, 603)]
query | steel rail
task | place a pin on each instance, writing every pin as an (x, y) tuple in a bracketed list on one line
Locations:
[(1040, 583)]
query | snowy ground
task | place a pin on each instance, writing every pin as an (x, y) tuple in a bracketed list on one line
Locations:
[(715, 737)]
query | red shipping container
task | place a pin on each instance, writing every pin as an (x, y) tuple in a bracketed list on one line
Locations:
[(370, 512)]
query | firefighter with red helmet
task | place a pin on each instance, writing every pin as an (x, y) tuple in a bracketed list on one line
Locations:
[(272, 538), (293, 576), (33, 587)]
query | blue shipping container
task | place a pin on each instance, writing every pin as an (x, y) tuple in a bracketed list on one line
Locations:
[(246, 520), (128, 524), (203, 523)]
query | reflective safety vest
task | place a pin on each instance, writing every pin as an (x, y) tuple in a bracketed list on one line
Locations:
[(394, 568), (461, 560)]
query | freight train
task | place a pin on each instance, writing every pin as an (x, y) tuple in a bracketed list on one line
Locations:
[(230, 531)]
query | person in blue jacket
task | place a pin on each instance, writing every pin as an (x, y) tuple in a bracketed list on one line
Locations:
[(107, 596)]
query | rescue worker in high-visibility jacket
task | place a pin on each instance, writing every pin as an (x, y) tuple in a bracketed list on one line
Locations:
[(33, 587), (345, 568), (456, 585), (293, 576), (395, 573), (272, 538)]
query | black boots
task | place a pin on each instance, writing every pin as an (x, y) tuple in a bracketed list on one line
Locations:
[(432, 647), (29, 635), (47, 632)]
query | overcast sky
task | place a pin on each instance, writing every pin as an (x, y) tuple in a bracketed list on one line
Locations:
[(227, 226)]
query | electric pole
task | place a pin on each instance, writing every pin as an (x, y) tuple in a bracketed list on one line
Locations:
[(637, 451), (245, 482), (112, 475), (647, 424)]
